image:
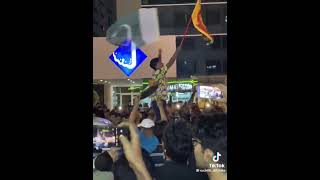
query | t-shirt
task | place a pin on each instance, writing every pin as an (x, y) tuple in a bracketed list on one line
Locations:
[(177, 171), (160, 76), (148, 143)]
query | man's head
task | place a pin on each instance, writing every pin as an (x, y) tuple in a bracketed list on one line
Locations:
[(147, 127), (210, 140), (115, 118), (103, 162), (159, 128), (122, 170), (156, 64), (177, 140)]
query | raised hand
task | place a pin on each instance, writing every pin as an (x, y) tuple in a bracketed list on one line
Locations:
[(132, 151), (159, 102), (136, 100)]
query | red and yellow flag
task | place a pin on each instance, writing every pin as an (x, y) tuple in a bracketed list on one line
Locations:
[(198, 22)]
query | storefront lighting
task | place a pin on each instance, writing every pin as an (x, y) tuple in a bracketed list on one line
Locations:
[(120, 108), (177, 82), (101, 80), (207, 105), (134, 88), (178, 106)]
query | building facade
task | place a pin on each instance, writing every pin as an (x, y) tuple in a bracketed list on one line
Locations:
[(195, 61), (196, 58)]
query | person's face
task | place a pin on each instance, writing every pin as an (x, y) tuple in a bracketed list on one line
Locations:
[(159, 65), (148, 131)]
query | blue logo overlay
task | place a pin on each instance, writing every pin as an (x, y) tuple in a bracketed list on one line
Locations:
[(128, 57)]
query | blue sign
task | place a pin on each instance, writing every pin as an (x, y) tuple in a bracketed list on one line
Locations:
[(127, 57)]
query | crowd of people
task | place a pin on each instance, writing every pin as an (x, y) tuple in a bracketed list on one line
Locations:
[(189, 138), (194, 142)]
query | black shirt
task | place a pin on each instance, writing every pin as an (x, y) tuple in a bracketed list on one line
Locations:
[(175, 171)]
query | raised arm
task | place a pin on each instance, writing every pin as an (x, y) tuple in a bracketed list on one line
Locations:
[(132, 151), (133, 114), (163, 114), (173, 58)]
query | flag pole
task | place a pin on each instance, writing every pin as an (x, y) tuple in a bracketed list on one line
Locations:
[(185, 32)]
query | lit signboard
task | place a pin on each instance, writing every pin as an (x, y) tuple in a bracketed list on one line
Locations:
[(127, 57), (180, 87)]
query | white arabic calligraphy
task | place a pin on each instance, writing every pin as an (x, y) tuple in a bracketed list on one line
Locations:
[(133, 62)]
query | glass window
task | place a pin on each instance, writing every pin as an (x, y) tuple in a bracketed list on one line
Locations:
[(188, 43), (165, 21), (117, 90), (217, 42), (212, 15), (225, 66), (126, 100), (116, 100), (125, 90), (181, 19), (213, 67), (104, 15), (193, 61), (224, 41)]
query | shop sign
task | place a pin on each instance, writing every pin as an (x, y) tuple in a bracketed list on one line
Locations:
[(127, 57), (179, 87)]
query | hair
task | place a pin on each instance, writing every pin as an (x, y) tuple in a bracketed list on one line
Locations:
[(103, 162), (177, 140), (212, 132), (122, 171), (153, 63), (159, 129), (151, 114)]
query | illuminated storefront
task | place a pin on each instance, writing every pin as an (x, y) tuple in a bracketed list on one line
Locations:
[(178, 90), (120, 93)]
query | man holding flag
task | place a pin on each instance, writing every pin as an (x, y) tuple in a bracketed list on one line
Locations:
[(159, 75), (159, 79)]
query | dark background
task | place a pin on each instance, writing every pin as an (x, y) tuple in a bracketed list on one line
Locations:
[(47, 49)]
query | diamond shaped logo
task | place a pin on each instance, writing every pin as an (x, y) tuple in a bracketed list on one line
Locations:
[(127, 57)]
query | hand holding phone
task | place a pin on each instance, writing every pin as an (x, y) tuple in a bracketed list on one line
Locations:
[(132, 151), (117, 131)]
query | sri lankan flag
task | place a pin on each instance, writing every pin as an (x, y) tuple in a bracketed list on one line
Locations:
[(198, 22)]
